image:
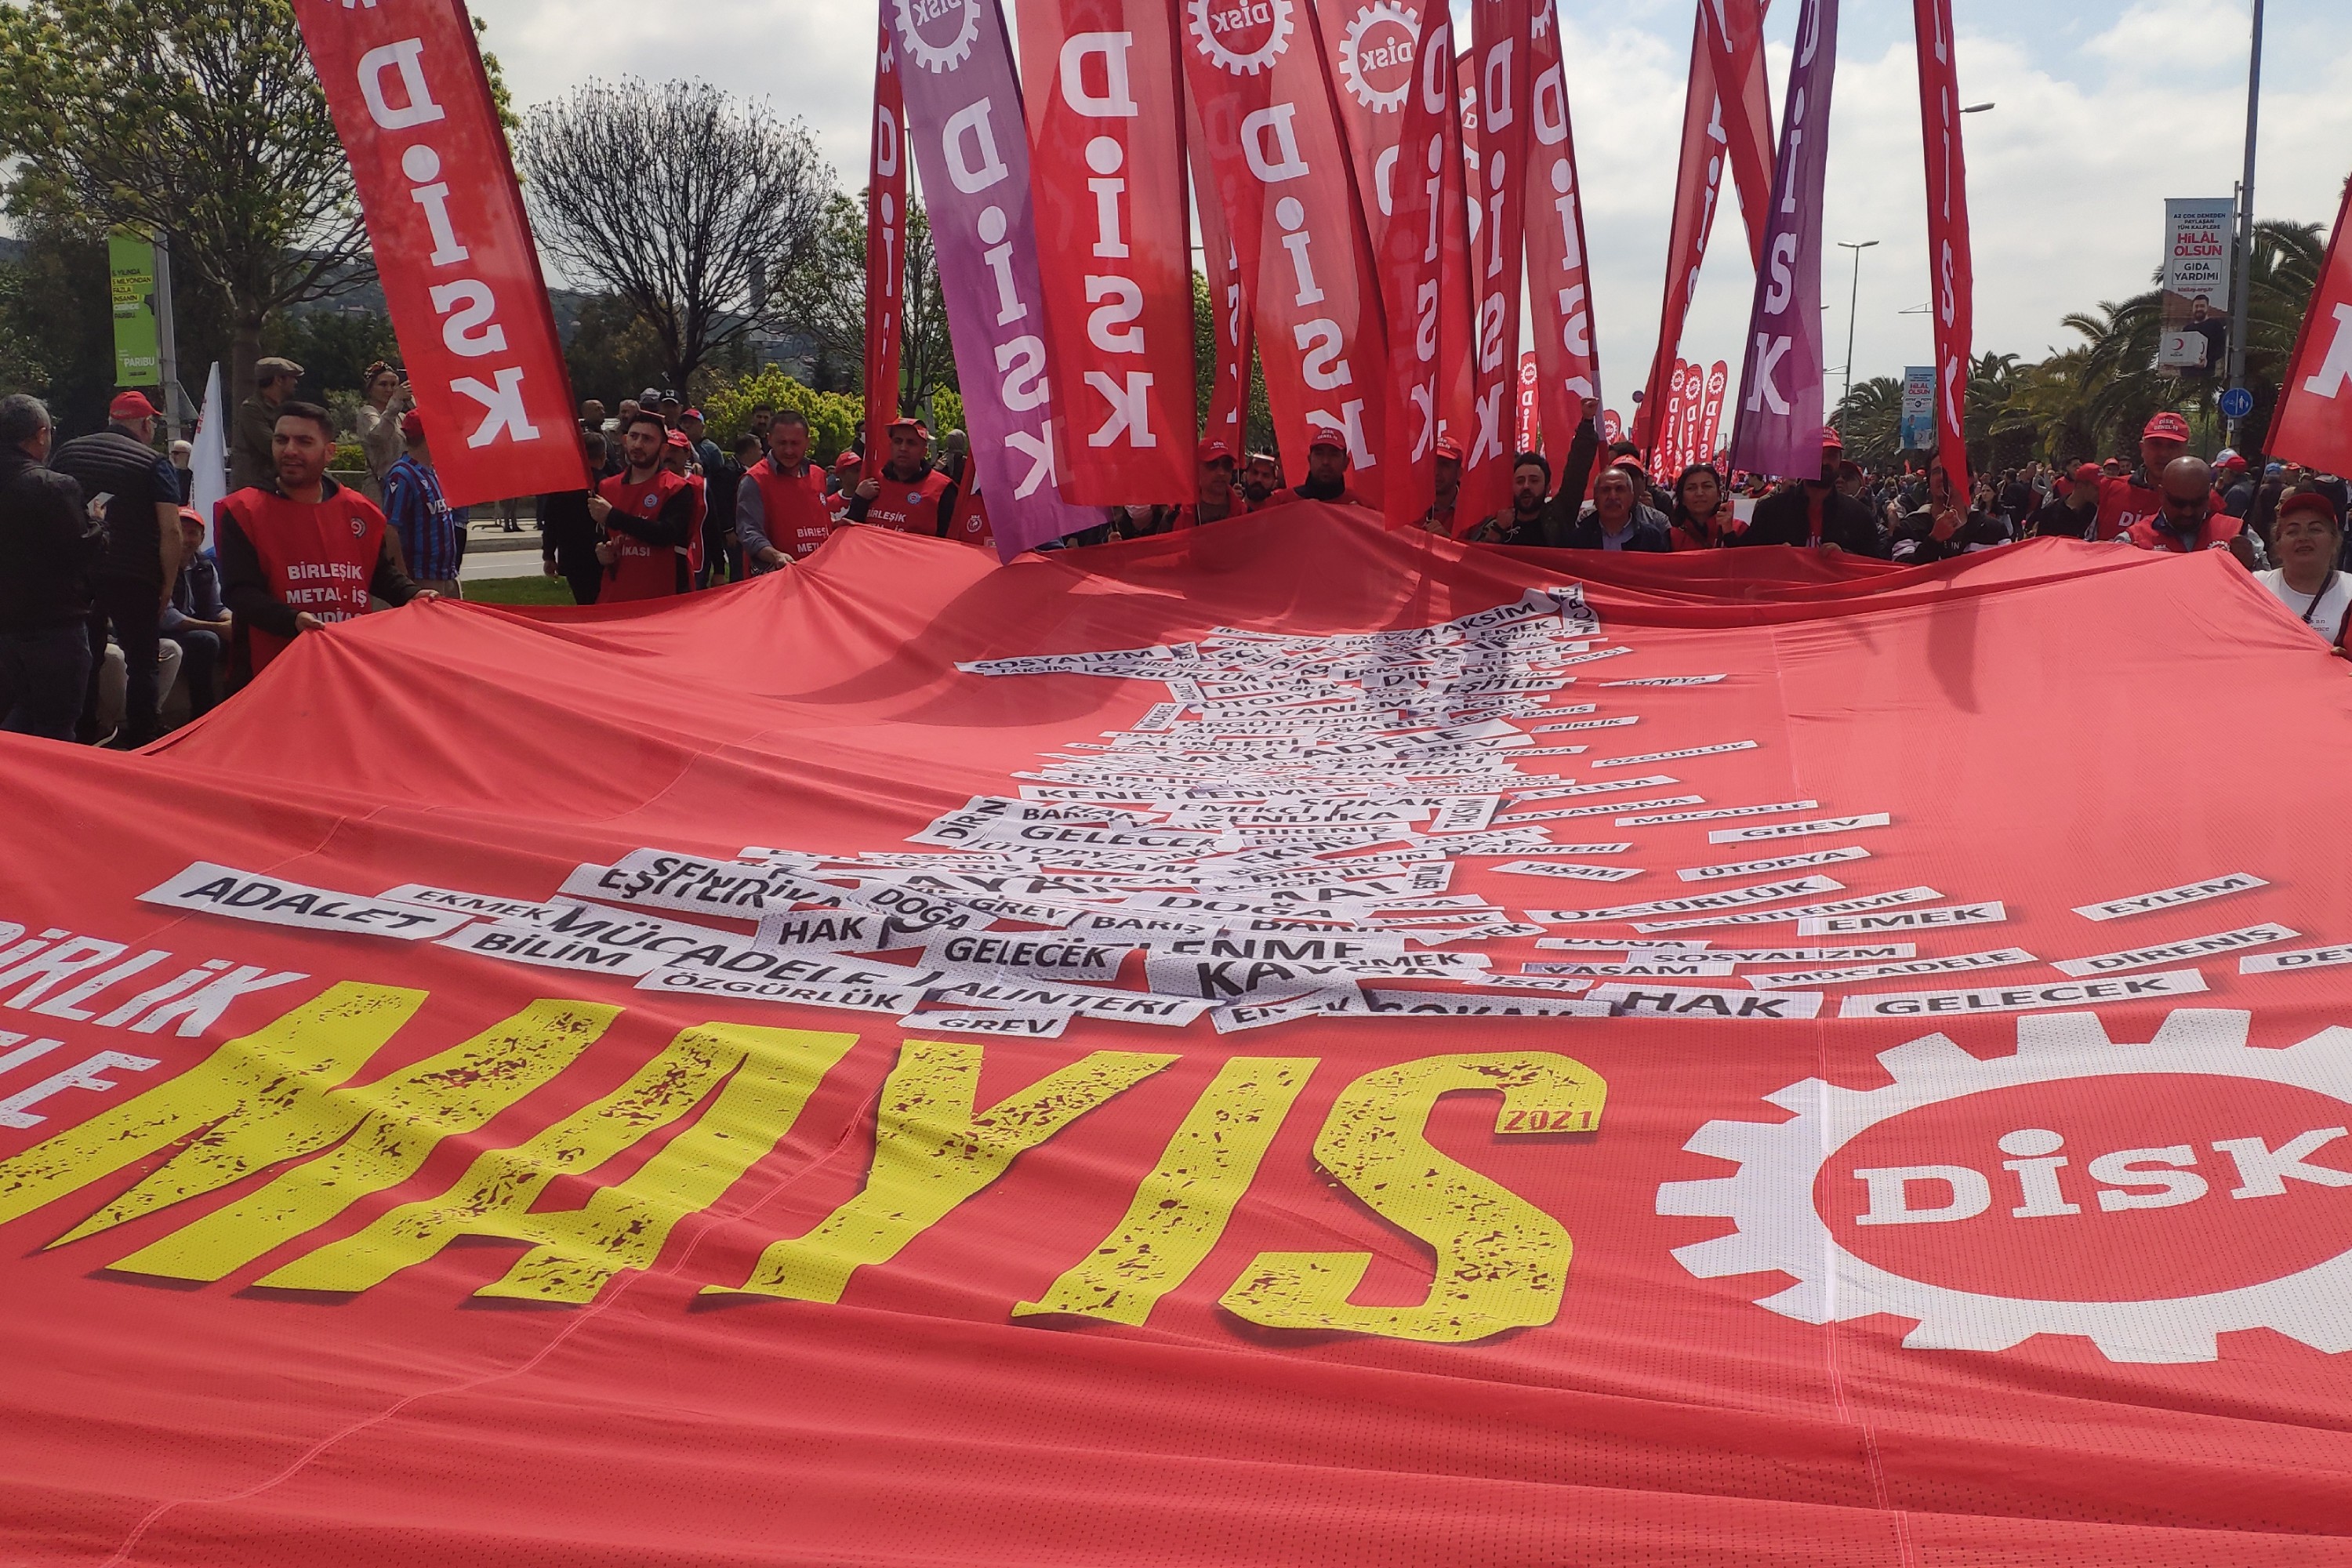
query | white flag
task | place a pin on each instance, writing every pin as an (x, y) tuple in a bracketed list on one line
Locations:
[(209, 462)]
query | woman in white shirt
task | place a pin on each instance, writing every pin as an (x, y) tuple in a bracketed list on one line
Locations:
[(2306, 541)]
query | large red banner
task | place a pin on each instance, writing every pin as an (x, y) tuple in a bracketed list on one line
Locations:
[(1348, 1049), (1282, 172), (1114, 243), (886, 244), (2313, 422), (1951, 264), (405, 83), (1559, 293)]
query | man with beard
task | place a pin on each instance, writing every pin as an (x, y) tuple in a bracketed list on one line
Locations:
[(648, 514)]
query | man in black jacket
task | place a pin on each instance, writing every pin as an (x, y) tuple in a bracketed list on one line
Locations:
[(1815, 515), (48, 543), (2072, 509), (568, 535), (133, 579)]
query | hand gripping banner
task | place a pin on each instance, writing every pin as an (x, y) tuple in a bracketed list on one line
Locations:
[(1560, 296), (1951, 262), (404, 82), (1779, 429), (964, 119), (886, 244), (2313, 422), (1283, 174), (1106, 150)]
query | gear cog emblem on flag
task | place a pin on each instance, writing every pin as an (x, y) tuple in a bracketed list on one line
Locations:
[(2146, 1197), (1376, 55), (938, 34), (1242, 36)]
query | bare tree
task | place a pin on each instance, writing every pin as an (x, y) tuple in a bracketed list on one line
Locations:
[(675, 198)]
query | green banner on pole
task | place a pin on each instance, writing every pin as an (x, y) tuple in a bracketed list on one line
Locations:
[(138, 352)]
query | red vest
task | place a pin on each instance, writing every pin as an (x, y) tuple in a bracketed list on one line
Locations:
[(317, 560), (794, 512), (643, 571), (909, 508), (2125, 503), (2219, 530)]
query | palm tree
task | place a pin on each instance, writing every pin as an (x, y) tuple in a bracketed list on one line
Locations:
[(1870, 420)]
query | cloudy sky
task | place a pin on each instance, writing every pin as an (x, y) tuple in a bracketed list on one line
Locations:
[(2104, 108)]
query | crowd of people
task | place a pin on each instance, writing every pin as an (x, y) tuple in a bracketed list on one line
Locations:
[(118, 599)]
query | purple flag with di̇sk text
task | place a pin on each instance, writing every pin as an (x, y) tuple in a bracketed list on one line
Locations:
[(972, 144), (1779, 430)]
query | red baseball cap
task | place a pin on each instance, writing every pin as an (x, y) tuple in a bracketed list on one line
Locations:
[(1213, 451), (132, 405), (2166, 427), (1447, 446), (691, 414), (2233, 463), (848, 460), (2311, 501), (191, 518), (676, 438), (1831, 440), (909, 422), (412, 425), (2088, 473), (1325, 436)]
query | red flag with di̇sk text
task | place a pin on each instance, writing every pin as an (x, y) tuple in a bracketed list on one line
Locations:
[(1370, 45), (1560, 298), (886, 245), (1526, 406), (1229, 306), (1710, 425), (1290, 206), (1662, 455), (1114, 243), (1425, 270), (1711, 109), (1693, 412), (1499, 47), (2313, 422), (1951, 262), (404, 82)]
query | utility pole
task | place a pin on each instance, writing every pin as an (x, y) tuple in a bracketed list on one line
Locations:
[(2245, 280), (176, 410), (1852, 304)]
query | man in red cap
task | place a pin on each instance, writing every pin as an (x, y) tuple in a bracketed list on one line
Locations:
[(120, 466), (1327, 472), (782, 514), (1816, 514), (1440, 519), (2187, 517), (677, 457), (908, 494), (2306, 539), (428, 531), (1219, 499), (2138, 495), (647, 512), (302, 551), (2072, 509)]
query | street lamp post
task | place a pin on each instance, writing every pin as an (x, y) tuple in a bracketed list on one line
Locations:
[(1853, 303), (2243, 281)]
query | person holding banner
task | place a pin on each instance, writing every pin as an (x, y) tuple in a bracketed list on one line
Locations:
[(648, 515), (2306, 539), (2131, 498), (1327, 472), (908, 495), (780, 510), (302, 551), (1701, 519), (1816, 515), (1219, 500), (2190, 518), (2072, 509)]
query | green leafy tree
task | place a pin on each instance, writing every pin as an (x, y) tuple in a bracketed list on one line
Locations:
[(56, 327), (825, 298), (200, 121), (835, 418)]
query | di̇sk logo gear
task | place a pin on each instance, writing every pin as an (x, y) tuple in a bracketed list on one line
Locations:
[(1780, 1227), (933, 56), (1245, 17), (1381, 13)]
